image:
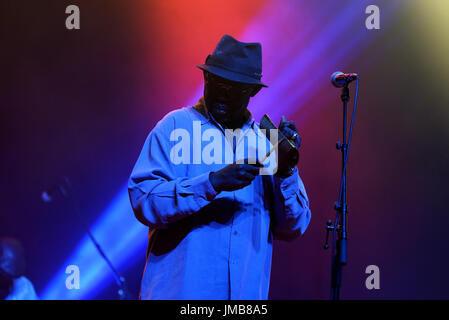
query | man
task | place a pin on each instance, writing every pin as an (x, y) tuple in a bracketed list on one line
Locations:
[(212, 224), (13, 284)]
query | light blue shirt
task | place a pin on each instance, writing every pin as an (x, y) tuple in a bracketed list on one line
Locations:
[(22, 289), (204, 244)]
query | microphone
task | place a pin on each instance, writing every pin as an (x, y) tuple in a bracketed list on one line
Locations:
[(50, 194), (340, 79), (57, 190)]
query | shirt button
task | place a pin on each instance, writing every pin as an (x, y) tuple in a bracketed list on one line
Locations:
[(235, 232)]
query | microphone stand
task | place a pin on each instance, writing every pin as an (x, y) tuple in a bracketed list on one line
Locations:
[(339, 253), (123, 292)]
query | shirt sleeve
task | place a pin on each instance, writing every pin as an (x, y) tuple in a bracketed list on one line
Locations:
[(22, 289), (158, 196), (291, 208)]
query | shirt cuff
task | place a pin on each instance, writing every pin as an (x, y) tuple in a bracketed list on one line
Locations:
[(203, 187), (290, 185)]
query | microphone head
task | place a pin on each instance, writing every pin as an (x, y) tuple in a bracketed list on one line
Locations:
[(338, 79), (58, 190), (46, 197)]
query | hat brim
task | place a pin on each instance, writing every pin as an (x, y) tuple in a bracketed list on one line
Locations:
[(230, 75)]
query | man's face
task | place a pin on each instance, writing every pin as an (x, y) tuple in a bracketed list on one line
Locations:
[(227, 100)]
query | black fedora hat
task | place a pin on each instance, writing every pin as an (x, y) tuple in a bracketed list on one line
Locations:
[(235, 60)]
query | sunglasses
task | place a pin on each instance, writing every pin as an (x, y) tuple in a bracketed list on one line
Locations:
[(232, 87)]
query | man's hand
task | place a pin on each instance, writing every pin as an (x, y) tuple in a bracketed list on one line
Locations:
[(234, 176), (289, 130)]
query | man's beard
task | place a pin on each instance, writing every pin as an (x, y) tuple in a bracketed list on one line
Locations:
[(224, 114)]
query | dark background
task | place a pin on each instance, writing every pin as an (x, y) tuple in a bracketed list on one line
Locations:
[(79, 103)]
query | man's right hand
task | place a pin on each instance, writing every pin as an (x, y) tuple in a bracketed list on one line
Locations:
[(234, 176)]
